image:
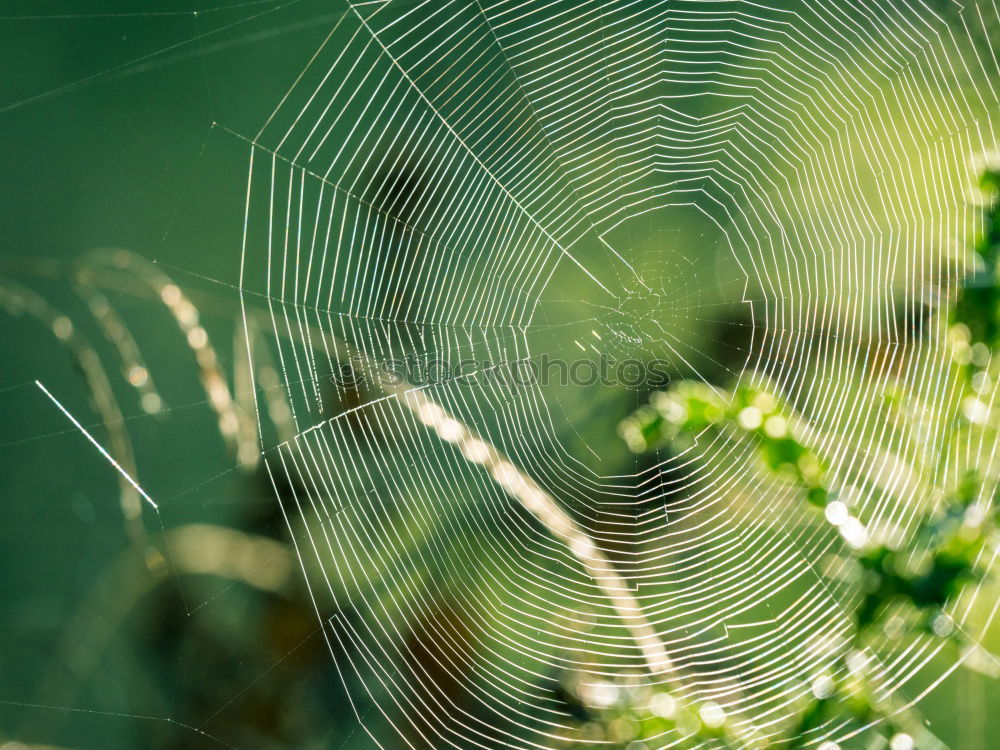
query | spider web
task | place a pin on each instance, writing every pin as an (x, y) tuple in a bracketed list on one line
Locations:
[(488, 182)]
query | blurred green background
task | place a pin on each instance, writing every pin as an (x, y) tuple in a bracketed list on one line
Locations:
[(108, 141)]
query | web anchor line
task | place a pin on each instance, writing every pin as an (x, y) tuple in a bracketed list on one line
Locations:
[(93, 441)]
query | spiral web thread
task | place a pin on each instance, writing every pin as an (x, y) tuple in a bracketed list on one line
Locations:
[(429, 178)]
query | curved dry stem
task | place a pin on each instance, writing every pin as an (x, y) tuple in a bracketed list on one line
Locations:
[(186, 315), (17, 301), (134, 368)]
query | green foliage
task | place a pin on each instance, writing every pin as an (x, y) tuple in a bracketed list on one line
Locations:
[(853, 698), (678, 416), (635, 717), (945, 550), (949, 542), (978, 308)]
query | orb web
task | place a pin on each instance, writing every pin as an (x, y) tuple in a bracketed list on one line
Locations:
[(742, 192)]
